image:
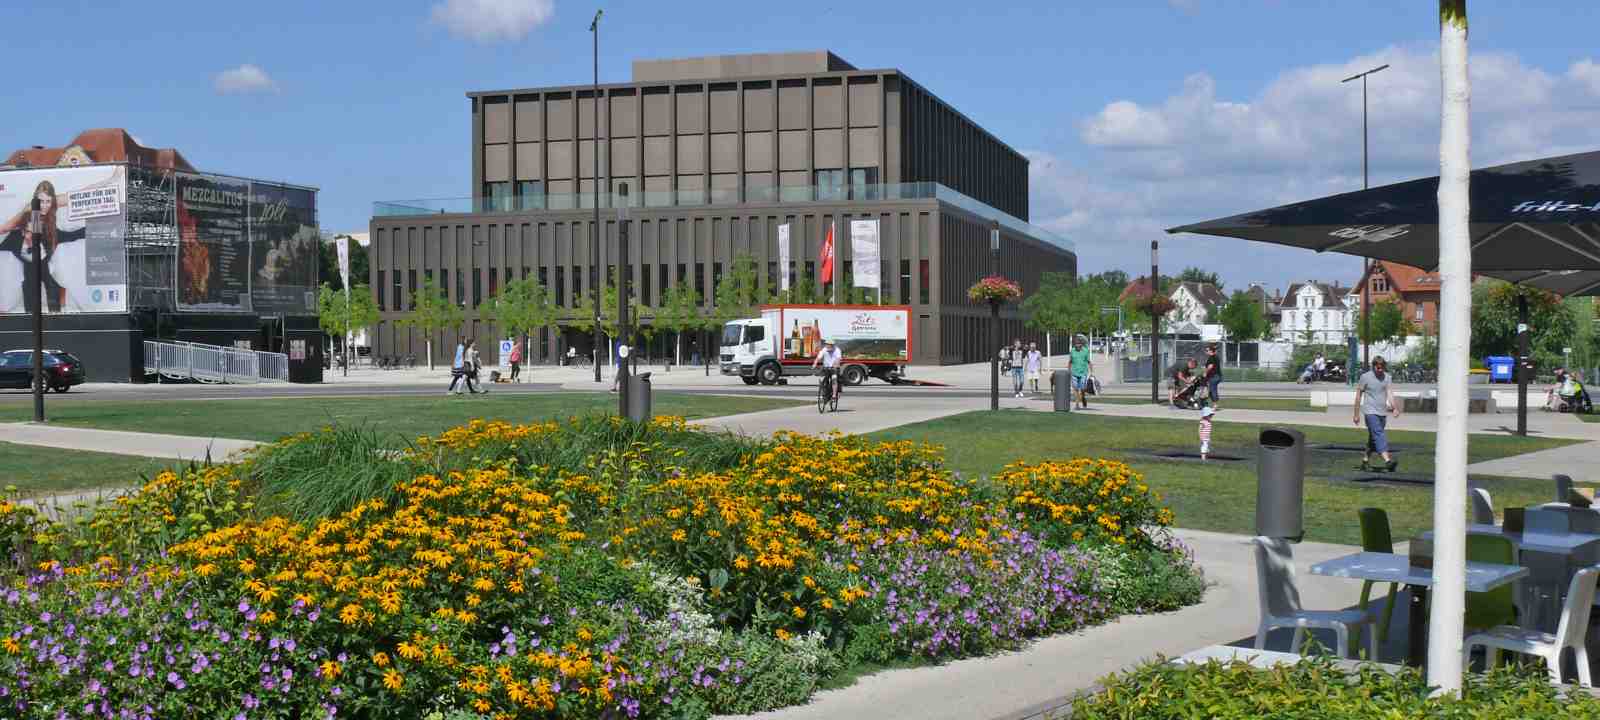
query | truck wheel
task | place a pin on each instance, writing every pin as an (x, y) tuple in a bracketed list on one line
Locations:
[(854, 375), (749, 380), (768, 373)]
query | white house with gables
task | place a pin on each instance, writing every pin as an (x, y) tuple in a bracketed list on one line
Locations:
[(1194, 304), (1318, 312)]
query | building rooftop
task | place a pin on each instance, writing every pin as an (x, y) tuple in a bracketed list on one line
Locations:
[(101, 145), (717, 67)]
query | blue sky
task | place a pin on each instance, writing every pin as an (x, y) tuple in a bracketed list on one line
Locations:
[(1138, 115)]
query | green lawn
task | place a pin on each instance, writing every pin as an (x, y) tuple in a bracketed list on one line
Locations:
[(408, 416), (34, 469), (1221, 495), (1231, 403)]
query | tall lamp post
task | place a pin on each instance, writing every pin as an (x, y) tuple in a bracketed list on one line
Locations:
[(594, 232), (994, 319), (1366, 263), (1155, 325), (624, 274), (36, 231)]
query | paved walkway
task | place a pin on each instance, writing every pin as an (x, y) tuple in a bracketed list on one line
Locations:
[(1552, 425), (1042, 676), (1574, 460), (175, 447)]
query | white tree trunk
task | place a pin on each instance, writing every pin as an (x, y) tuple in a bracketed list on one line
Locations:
[(430, 353), (1455, 270)]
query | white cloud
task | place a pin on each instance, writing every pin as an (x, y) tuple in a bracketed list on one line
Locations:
[(246, 78), (1197, 154), (492, 20)]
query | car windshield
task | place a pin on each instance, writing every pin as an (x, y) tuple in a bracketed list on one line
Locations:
[(731, 333)]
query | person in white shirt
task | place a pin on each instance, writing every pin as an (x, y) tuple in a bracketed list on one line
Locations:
[(829, 358)]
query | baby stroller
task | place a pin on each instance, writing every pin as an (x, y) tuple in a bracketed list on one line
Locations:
[(1576, 400), (1191, 395)]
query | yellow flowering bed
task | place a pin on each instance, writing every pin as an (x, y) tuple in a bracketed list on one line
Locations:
[(516, 584)]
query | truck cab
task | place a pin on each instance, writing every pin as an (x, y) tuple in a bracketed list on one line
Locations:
[(747, 345)]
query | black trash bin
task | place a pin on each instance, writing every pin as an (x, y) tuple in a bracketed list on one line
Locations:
[(1280, 484), (639, 397), (1061, 389)]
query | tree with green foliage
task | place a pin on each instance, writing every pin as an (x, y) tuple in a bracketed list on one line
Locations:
[(803, 291), (341, 315), (679, 313), (431, 312), (1385, 323), (522, 307), (1198, 275), (1552, 324), (1242, 318), (328, 263)]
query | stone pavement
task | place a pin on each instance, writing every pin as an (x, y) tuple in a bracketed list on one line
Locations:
[(1577, 461), (1044, 675)]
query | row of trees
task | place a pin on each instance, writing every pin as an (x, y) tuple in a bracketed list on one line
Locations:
[(524, 306)]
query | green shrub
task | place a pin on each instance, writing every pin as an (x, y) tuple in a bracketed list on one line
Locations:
[(1139, 580), (1319, 690)]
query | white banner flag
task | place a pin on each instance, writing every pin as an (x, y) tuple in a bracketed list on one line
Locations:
[(783, 257), (864, 253), (342, 244)]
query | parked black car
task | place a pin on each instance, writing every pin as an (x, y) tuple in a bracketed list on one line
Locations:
[(62, 370)]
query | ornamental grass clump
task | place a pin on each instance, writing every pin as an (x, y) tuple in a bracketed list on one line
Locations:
[(583, 568)]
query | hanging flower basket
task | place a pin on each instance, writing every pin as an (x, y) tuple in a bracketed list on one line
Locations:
[(994, 289), (1154, 304)]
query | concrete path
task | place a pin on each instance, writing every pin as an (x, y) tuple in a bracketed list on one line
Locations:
[(1577, 461), (1553, 425), (176, 447), (856, 415), (1042, 677)]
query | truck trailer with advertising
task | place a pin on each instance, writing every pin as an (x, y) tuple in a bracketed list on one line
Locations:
[(875, 341)]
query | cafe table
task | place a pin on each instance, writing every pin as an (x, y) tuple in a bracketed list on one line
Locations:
[(1390, 567), (1564, 543)]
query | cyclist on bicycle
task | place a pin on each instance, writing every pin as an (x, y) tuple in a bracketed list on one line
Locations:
[(829, 359)]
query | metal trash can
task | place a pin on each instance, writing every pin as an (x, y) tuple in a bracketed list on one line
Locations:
[(1061, 390), (1280, 484), (1501, 368), (639, 397)]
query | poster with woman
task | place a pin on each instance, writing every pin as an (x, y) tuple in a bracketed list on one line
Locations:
[(213, 243), (80, 233), (284, 245)]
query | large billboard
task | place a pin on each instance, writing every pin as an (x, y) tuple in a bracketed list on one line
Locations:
[(860, 332), (284, 247), (82, 234), (213, 243)]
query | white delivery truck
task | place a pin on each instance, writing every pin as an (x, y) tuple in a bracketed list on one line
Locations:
[(875, 340)]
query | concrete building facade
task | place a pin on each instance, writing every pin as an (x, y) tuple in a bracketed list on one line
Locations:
[(718, 153)]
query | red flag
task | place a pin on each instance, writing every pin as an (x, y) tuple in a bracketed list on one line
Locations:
[(826, 258)]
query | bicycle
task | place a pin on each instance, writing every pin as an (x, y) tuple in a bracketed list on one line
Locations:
[(828, 391)]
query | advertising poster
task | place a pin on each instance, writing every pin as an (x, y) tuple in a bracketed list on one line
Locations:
[(213, 243), (81, 233), (861, 334), (783, 257), (283, 249), (864, 250)]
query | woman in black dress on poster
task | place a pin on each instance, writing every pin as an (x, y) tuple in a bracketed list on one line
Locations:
[(18, 241)]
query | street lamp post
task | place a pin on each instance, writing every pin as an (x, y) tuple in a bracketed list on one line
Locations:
[(1366, 263), (624, 274), (994, 319), (1155, 325), (594, 232)]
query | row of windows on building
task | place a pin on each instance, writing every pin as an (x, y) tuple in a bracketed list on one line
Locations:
[(397, 288), (831, 184)]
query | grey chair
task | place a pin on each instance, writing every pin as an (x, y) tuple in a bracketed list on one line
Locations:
[(1563, 487), (1280, 603), (1482, 507), (1571, 632)]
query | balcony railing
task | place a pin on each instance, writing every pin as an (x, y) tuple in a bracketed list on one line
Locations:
[(714, 198)]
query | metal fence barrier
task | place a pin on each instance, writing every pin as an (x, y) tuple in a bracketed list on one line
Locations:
[(213, 363)]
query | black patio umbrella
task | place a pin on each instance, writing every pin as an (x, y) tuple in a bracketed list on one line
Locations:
[(1566, 283), (1535, 216)]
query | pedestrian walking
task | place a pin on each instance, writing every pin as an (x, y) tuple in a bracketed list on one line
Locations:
[(458, 368), (572, 355), (1213, 375), (1205, 431), (1078, 360), (1375, 403), (516, 360), (1015, 358), (474, 363), (1031, 366)]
